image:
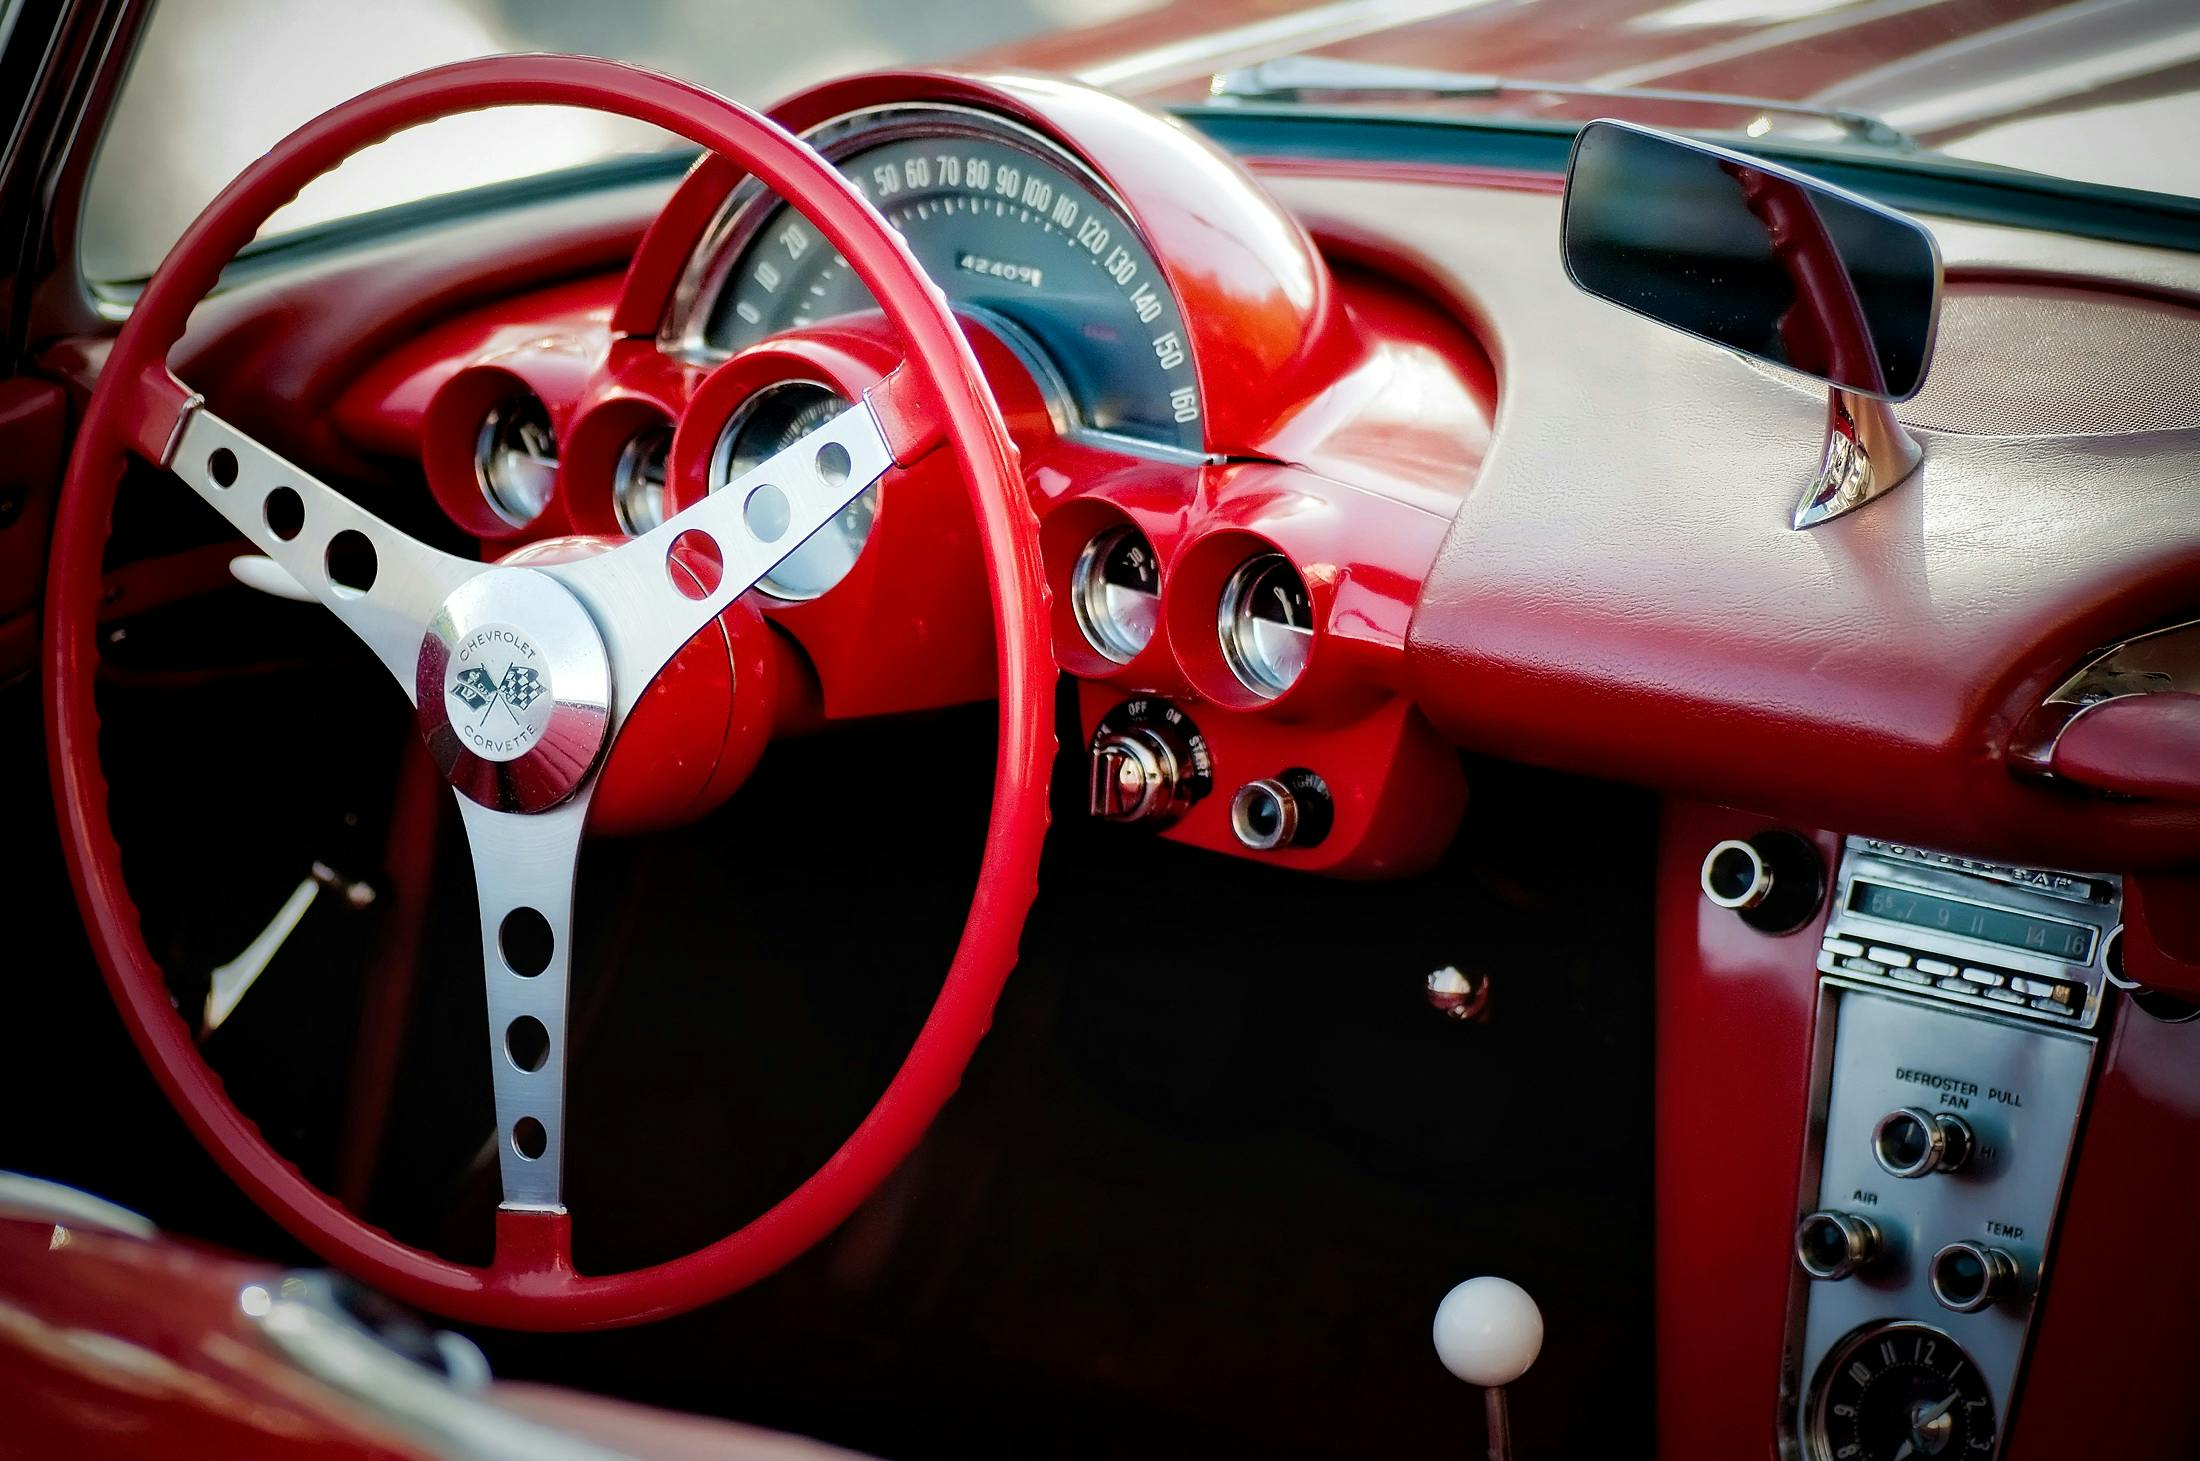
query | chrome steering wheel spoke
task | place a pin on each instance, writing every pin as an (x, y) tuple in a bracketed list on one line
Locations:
[(524, 867), (646, 609), (385, 586), (522, 688)]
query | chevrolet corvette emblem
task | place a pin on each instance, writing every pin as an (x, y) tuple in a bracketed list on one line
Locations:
[(498, 692)]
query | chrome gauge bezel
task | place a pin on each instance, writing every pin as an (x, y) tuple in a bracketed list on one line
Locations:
[(626, 479), (1232, 618), (1088, 593), (488, 445), (721, 472), (705, 277), (1817, 1433)]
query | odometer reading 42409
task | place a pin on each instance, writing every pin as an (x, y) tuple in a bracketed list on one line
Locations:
[(1010, 233), (1900, 1392)]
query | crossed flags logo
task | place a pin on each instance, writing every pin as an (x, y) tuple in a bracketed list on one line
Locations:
[(519, 688)]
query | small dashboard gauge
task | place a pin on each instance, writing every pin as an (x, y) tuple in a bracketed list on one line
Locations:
[(1266, 621), (1011, 228), (1115, 591), (516, 458), (768, 423), (1899, 1390), (638, 480)]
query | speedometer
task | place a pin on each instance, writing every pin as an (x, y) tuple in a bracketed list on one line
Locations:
[(1014, 231)]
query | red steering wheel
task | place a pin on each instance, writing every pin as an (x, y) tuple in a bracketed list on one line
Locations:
[(522, 678)]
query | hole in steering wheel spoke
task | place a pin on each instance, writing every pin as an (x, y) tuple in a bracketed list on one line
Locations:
[(694, 564), (526, 941), (221, 465), (527, 1044), (285, 512), (528, 1138), (768, 513), (351, 562), (833, 464)]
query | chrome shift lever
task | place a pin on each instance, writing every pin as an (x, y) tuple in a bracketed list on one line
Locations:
[(1488, 1331)]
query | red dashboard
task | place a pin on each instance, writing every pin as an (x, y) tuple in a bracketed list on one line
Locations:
[(1370, 427), (1366, 485)]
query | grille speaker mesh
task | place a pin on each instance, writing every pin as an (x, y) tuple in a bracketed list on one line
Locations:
[(2025, 360)]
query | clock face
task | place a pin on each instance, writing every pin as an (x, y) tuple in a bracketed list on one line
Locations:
[(1899, 1392)]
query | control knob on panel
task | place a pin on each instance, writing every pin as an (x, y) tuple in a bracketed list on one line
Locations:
[(1149, 763), (1832, 1245), (1773, 882), (1289, 809), (1966, 1277), (1913, 1142)]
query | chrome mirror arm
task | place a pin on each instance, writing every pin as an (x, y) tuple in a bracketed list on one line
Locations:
[(1868, 453)]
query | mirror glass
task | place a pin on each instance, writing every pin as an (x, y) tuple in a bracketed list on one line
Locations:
[(1752, 256)]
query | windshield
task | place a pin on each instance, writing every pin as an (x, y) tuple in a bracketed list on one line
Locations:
[(215, 83), (2098, 91)]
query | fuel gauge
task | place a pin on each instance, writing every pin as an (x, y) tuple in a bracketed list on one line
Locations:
[(1266, 621)]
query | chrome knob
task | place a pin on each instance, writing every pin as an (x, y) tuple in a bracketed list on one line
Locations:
[(1289, 809), (1735, 875), (1456, 993), (1912, 1142), (1833, 1245), (1773, 881), (1966, 1277), (1264, 814), (1134, 775)]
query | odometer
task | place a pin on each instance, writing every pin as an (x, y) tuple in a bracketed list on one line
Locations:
[(1012, 231)]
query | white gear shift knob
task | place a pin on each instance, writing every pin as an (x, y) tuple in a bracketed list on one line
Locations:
[(1488, 1331)]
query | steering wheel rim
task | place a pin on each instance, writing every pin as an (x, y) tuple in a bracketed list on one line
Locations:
[(138, 407)]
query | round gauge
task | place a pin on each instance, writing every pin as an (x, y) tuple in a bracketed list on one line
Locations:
[(769, 422), (1899, 1391), (1115, 591), (516, 459), (1267, 624), (1011, 229), (638, 480)]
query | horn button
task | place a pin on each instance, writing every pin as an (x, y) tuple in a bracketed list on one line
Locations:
[(514, 691)]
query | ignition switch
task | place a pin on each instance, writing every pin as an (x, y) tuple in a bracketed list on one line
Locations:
[(1149, 763)]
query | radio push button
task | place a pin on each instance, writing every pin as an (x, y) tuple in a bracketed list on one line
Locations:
[(1913, 1142)]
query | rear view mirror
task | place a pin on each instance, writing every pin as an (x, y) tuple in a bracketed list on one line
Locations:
[(1768, 262)]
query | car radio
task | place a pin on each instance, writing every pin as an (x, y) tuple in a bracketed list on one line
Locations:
[(1954, 1043), (2019, 940)]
